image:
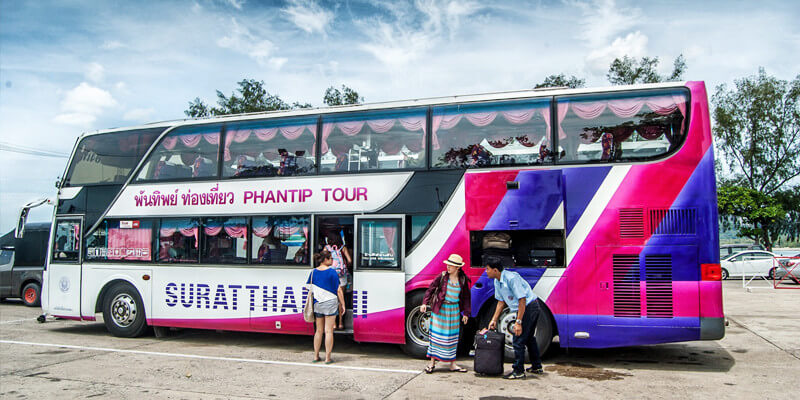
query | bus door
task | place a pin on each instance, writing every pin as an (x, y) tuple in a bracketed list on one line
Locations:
[(379, 279), (64, 270)]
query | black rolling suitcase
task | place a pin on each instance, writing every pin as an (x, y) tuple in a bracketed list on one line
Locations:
[(489, 353)]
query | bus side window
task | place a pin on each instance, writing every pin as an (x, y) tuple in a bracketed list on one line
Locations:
[(614, 127), (178, 240)]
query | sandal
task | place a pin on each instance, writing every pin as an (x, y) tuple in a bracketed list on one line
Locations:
[(429, 369), (316, 360), (459, 369), (329, 362)]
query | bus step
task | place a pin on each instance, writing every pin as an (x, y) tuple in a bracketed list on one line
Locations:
[(346, 331)]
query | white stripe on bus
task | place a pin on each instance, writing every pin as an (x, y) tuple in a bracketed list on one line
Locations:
[(195, 356)]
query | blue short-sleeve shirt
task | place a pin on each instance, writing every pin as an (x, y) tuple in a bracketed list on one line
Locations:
[(511, 287), (325, 286)]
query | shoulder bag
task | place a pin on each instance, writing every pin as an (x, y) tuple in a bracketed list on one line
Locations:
[(308, 309)]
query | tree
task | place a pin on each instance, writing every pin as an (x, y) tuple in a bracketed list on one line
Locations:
[(757, 129), (335, 97), (561, 80), (628, 71), (252, 97), (755, 215)]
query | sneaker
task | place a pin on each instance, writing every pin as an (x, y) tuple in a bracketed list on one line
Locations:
[(537, 371), (515, 375)]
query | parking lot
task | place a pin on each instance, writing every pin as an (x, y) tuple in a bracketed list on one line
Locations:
[(758, 358)]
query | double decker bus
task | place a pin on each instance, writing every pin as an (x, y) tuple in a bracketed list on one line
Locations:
[(605, 197)]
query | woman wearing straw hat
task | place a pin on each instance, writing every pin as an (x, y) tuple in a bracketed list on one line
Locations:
[(448, 296)]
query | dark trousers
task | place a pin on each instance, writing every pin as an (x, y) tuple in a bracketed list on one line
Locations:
[(527, 338)]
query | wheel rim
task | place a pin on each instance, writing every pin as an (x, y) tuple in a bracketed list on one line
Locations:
[(724, 274), (505, 325), (30, 295), (123, 310), (418, 326)]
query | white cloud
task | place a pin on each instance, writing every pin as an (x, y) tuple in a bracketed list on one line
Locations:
[(237, 4), (95, 72), (309, 16), (413, 32), (138, 114), (633, 45), (83, 104), (277, 62), (111, 45), (242, 40), (602, 20)]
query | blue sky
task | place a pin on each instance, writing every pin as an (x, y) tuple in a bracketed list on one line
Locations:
[(77, 66)]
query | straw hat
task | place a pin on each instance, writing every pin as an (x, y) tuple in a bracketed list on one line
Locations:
[(454, 260)]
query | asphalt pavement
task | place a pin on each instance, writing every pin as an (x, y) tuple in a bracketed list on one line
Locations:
[(758, 358)]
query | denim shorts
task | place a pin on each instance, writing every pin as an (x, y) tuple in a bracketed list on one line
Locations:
[(326, 308)]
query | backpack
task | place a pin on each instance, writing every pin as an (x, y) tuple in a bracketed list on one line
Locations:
[(496, 240), (338, 260)]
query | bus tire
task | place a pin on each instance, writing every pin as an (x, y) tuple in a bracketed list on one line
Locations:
[(416, 326), (32, 294), (544, 328), (123, 311)]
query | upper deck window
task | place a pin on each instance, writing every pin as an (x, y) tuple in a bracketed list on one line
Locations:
[(373, 141), (108, 158), (270, 148), (614, 127), (189, 152), (491, 134)]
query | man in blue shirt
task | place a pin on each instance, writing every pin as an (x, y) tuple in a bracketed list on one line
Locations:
[(512, 289)]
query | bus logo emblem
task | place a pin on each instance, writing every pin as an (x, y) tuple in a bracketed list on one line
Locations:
[(63, 284)]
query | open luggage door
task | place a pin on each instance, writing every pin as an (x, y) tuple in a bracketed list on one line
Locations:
[(379, 279)]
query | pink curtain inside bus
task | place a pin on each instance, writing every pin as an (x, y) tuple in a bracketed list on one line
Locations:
[(380, 126), (606, 128), (266, 134)]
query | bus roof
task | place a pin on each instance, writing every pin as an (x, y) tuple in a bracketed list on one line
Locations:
[(422, 102)]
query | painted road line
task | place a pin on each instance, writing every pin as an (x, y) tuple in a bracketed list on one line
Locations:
[(18, 320), (195, 356)]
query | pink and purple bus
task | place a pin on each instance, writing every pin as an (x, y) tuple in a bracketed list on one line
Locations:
[(607, 196)]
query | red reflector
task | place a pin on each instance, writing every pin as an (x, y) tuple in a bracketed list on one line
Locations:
[(710, 272)]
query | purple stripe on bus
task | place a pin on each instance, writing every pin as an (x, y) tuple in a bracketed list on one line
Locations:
[(580, 186), (542, 186), (632, 332)]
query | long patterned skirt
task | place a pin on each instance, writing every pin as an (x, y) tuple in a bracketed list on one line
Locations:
[(445, 327)]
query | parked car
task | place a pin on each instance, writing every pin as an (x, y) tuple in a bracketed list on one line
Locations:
[(789, 265), (749, 263), (22, 262), (727, 250)]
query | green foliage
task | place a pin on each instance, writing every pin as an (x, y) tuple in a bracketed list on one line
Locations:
[(561, 80), (335, 97), (754, 214), (251, 96), (628, 71), (757, 129)]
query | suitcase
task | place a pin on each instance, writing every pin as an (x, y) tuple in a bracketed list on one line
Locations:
[(489, 353), (543, 257), (496, 240)]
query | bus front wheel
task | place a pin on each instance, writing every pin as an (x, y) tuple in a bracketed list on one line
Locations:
[(417, 325), (123, 311)]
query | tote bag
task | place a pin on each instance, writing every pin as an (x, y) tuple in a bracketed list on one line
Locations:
[(308, 309)]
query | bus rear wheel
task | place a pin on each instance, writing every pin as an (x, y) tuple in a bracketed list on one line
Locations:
[(31, 294), (505, 324), (123, 311)]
